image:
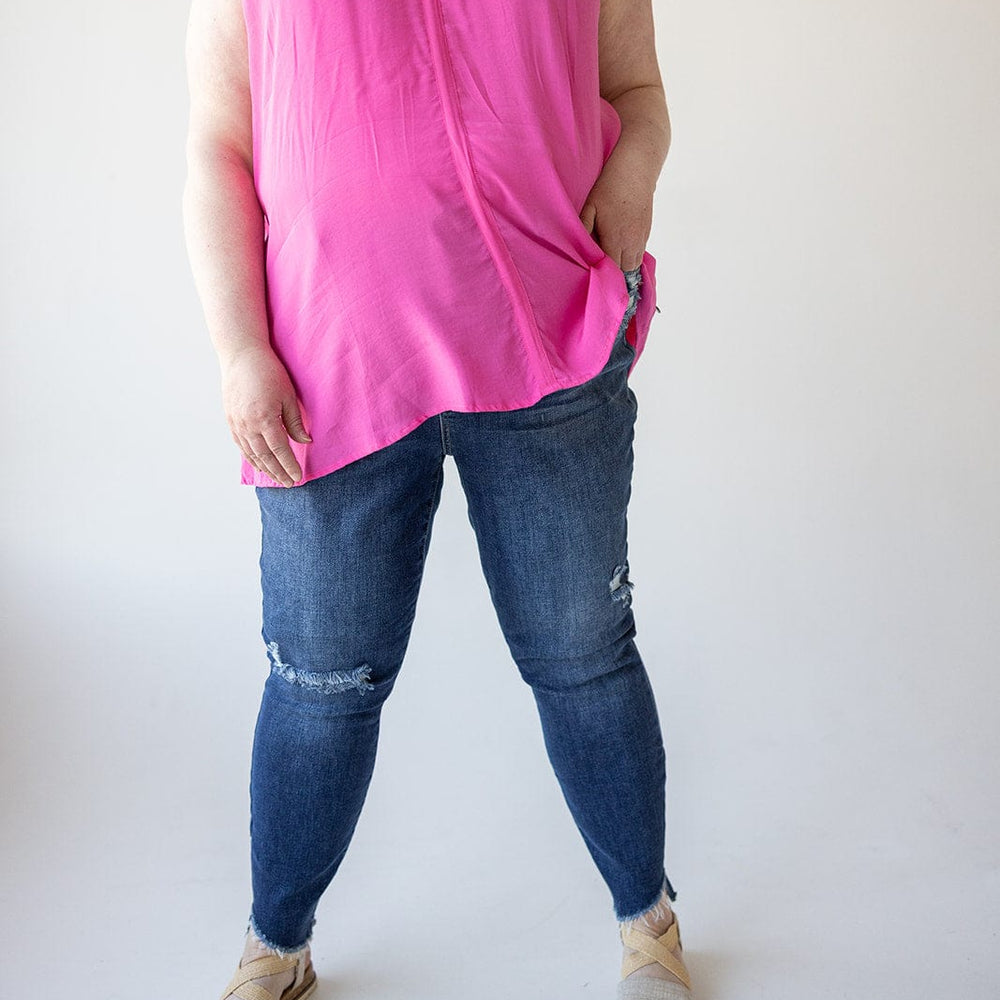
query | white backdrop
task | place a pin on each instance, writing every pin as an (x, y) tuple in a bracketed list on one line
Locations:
[(814, 542)]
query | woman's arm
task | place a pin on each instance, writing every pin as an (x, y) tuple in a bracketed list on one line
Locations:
[(224, 230), (224, 223), (620, 205)]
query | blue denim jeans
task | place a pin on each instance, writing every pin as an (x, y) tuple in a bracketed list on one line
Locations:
[(341, 562)]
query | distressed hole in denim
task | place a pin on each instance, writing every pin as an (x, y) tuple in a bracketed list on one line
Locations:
[(620, 586), (633, 283), (329, 682)]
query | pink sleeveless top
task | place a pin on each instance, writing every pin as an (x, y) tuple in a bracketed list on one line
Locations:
[(421, 166)]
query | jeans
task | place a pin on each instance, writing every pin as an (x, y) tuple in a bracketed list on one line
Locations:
[(341, 562)]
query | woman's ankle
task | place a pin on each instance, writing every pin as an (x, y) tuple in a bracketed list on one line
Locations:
[(255, 948)]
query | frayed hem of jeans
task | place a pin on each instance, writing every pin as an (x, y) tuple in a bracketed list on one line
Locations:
[(656, 910), (280, 950)]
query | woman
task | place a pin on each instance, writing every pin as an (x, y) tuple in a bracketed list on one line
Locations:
[(419, 230)]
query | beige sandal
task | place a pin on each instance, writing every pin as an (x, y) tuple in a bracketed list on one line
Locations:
[(241, 986), (649, 949)]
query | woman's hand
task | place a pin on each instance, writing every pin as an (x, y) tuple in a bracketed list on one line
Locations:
[(618, 214), (263, 412)]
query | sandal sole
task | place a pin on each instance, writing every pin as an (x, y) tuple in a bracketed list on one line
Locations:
[(307, 988)]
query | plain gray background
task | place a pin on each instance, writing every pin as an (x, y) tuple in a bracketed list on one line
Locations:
[(813, 538)]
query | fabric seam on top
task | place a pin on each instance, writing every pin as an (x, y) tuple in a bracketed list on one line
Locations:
[(482, 211)]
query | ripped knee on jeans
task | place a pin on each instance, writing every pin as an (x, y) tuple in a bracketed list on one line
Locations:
[(325, 682)]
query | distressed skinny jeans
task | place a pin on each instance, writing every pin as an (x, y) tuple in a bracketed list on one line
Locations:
[(341, 562)]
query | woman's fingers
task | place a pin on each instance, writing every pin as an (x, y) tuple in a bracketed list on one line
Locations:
[(263, 412), (270, 446), (246, 450), (276, 436)]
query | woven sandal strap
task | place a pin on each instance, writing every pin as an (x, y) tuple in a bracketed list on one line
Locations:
[(655, 950), (267, 965), (251, 991), (634, 961)]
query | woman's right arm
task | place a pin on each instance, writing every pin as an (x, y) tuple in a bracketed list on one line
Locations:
[(224, 232)]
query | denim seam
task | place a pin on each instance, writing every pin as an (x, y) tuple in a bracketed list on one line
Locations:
[(445, 442), (427, 522)]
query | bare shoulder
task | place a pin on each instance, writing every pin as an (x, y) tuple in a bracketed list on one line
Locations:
[(218, 75)]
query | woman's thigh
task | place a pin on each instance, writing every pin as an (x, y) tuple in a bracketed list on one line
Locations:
[(548, 489), (341, 562)]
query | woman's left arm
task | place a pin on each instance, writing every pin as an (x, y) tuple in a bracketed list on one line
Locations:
[(619, 209)]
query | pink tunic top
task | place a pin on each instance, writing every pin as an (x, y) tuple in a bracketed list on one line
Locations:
[(422, 166)]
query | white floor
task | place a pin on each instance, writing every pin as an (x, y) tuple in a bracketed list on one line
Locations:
[(830, 835)]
